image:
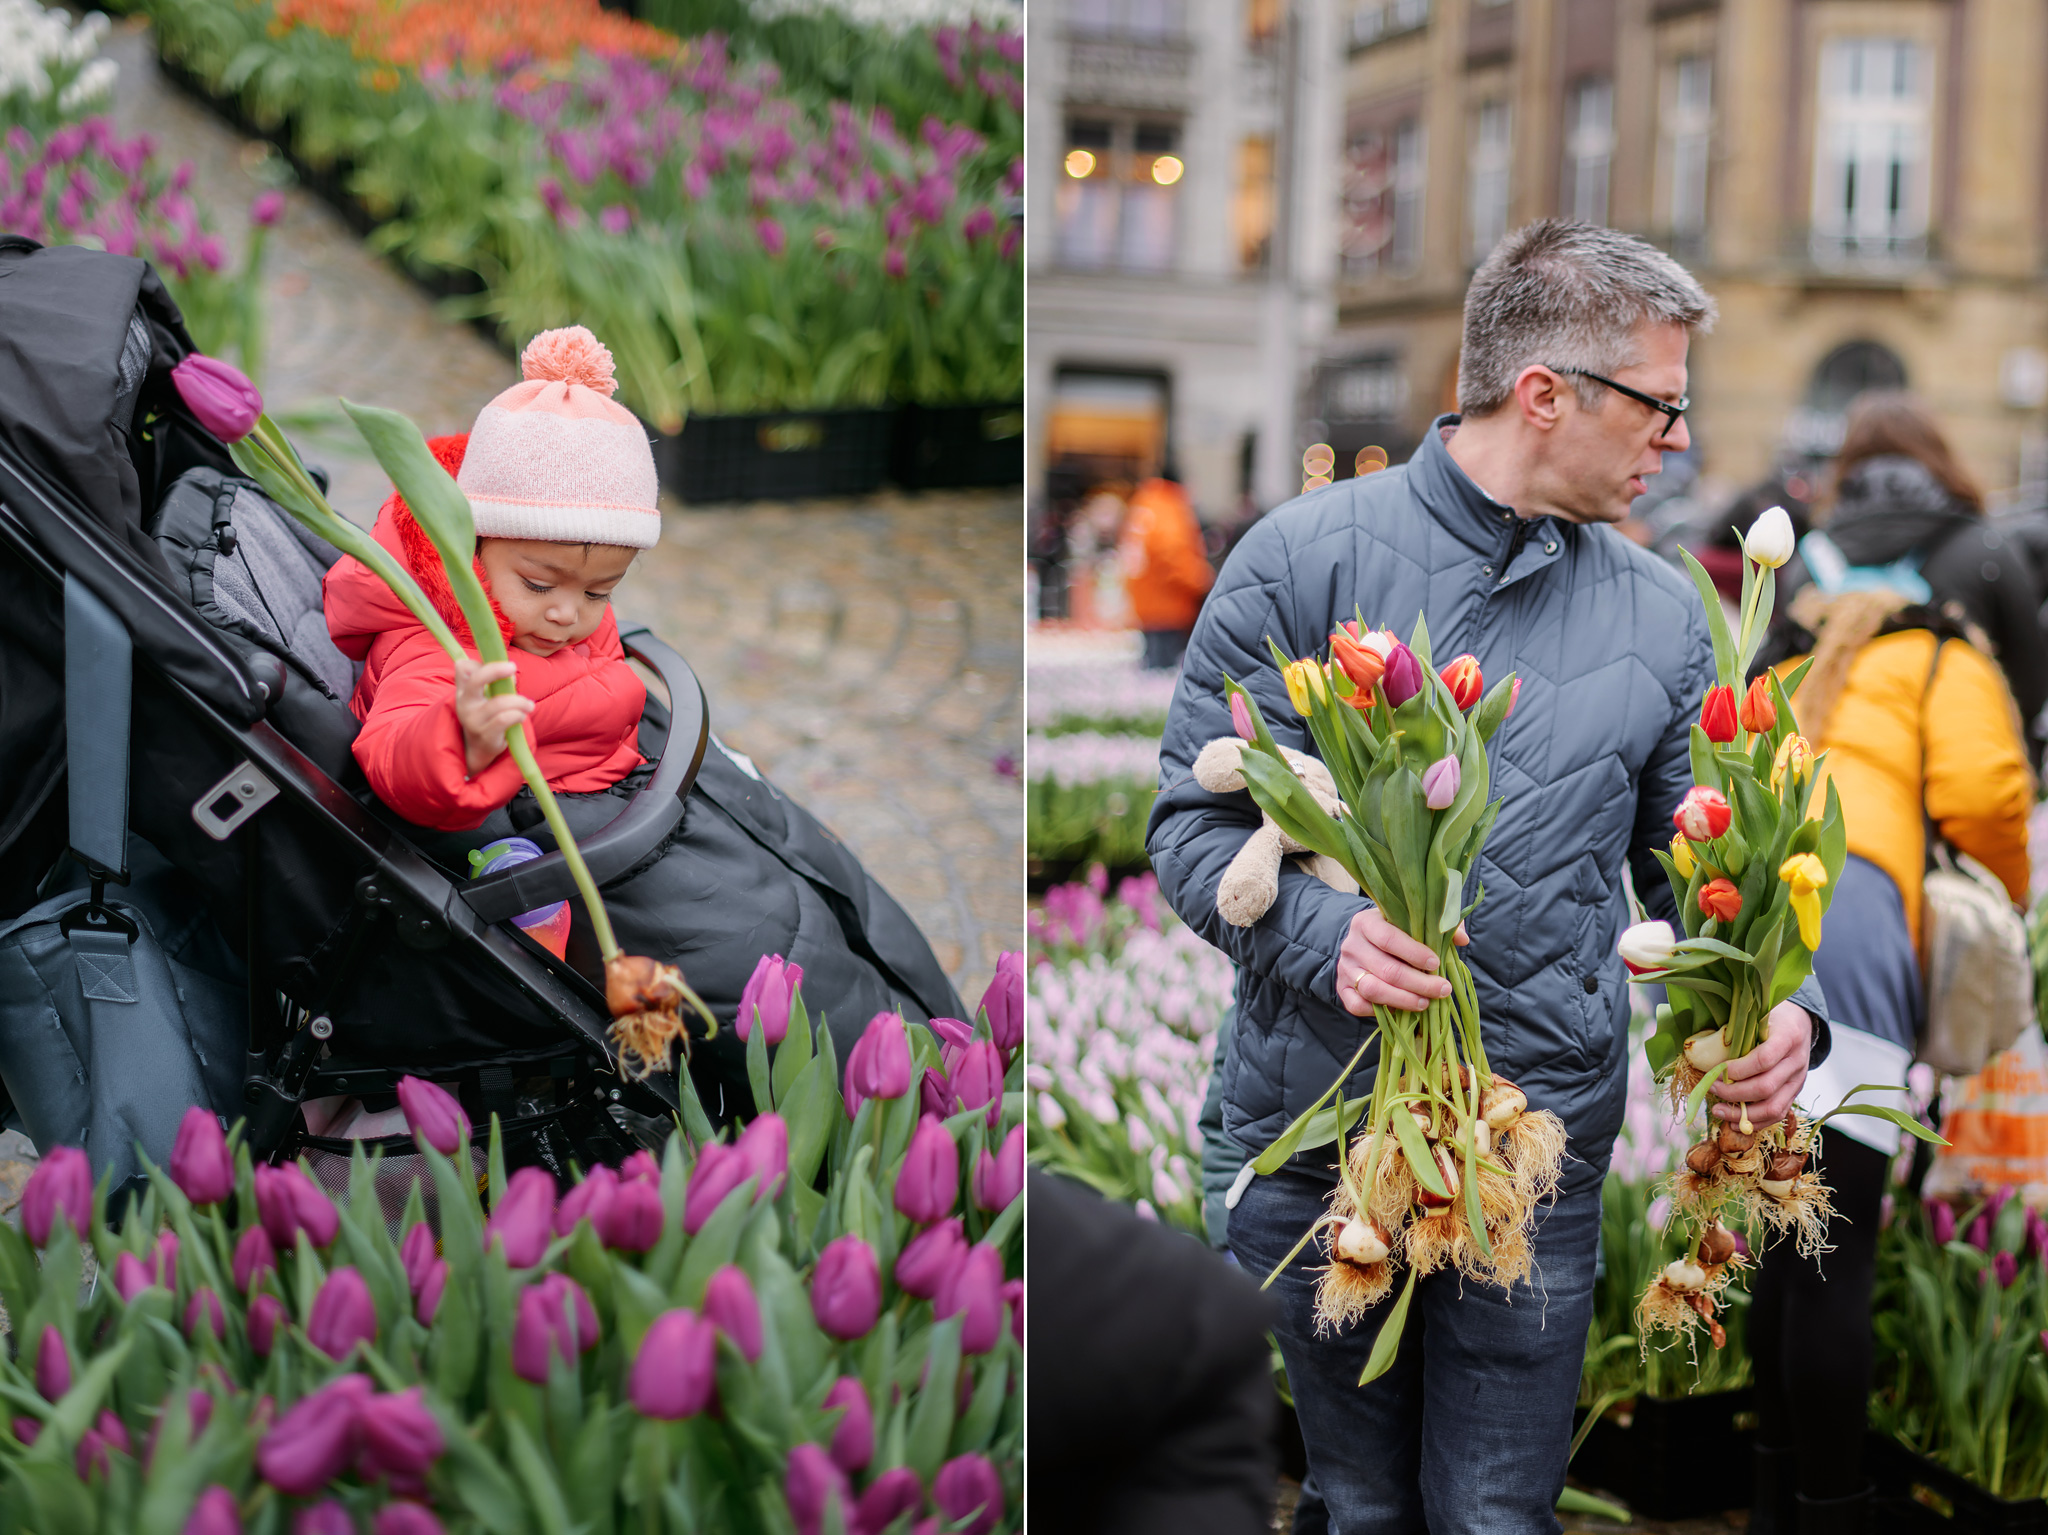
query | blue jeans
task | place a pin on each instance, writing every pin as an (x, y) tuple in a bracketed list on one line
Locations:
[(1468, 1433)]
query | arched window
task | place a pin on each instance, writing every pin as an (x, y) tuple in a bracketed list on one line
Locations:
[(1849, 370)]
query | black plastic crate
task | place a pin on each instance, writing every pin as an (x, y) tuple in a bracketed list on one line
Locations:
[(948, 446), (1918, 1497), (1649, 1453), (777, 456)]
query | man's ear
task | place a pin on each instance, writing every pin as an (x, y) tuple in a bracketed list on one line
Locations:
[(1539, 396)]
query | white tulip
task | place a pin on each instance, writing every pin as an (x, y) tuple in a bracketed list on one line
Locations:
[(1647, 946), (1770, 538)]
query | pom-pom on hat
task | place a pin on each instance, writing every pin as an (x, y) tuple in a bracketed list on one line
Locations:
[(554, 458)]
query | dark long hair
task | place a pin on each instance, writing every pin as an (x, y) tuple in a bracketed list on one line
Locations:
[(1885, 422)]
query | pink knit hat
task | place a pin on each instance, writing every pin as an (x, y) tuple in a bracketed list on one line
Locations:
[(554, 458)]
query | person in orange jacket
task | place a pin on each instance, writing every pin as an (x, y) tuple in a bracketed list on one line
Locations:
[(1166, 572)]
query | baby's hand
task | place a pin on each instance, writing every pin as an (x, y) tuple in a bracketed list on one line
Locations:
[(485, 719)]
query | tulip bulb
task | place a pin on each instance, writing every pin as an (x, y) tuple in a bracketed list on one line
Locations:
[(1706, 1050), (1787, 1165), (1717, 1245), (1362, 1242), (1684, 1276), (1482, 1138), (1777, 1188), (1704, 1159), (1502, 1104), (1734, 1140)]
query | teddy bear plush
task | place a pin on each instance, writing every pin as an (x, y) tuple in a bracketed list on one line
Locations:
[(1252, 882)]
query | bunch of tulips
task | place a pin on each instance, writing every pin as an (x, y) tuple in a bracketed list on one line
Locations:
[(813, 1325), (1448, 1164), (1752, 867)]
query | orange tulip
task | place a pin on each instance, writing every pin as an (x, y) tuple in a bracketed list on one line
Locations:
[(1720, 900), (1362, 665), (1463, 679), (1717, 715), (1758, 712)]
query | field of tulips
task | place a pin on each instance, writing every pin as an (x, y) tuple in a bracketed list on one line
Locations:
[(743, 239), (813, 1326), (1093, 753)]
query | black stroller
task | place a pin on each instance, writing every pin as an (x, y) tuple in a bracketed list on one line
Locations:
[(167, 667)]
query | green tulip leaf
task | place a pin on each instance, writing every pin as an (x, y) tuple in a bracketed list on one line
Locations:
[(931, 1420), (1386, 1346), (1421, 1160), (757, 1069), (1717, 621), (1295, 1137)]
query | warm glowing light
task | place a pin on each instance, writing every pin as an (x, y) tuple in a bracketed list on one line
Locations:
[(1369, 459), (1320, 458), (1080, 164), (1314, 482), (1166, 170)]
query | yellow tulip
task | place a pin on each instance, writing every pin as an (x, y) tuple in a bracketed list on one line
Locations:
[(1795, 756), (1681, 854), (1807, 875), (1301, 677)]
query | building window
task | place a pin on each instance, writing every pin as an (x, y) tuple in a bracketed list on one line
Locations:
[(1116, 207), (1486, 179), (1688, 137), (1151, 19), (1376, 20), (1383, 184), (1871, 150), (1253, 214), (1588, 150)]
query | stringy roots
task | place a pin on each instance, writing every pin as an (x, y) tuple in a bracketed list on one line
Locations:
[(1737, 1181), (1687, 1312)]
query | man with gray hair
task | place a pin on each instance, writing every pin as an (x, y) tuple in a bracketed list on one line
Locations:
[(1499, 530)]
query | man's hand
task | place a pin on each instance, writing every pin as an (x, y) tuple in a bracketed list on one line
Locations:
[(1770, 1076), (1380, 963), (486, 719)]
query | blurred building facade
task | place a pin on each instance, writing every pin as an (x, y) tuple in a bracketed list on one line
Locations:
[(1863, 185), (1181, 240)]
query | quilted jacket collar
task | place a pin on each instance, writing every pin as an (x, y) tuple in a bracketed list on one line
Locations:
[(1488, 527)]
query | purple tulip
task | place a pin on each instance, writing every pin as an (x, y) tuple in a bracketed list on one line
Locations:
[(979, 224), (929, 1258), (810, 1486), (433, 1114), (676, 1370), (97, 1444), (768, 995), (889, 1497), (198, 1413), (935, 1095), (977, 1073), (954, 1034), (326, 1517), (929, 1180), (405, 1519), (1980, 1233), (773, 240), (2036, 1242), (2007, 1268), (131, 1276), (267, 209), (1941, 1221), (53, 1365), (29, 1430), (999, 1179), (314, 1442), (853, 1440), (846, 1288), (215, 1513), (288, 1202), (343, 1314), (587, 1200), (765, 1145), (555, 1317), (200, 1164), (1013, 1297), (204, 1310), (631, 1222), (730, 1305), (431, 1286), (524, 1219), (1004, 999), (254, 1254), (219, 394), (642, 1166), (60, 1185), (417, 1253), (1402, 679), (718, 1171), (878, 1066), (966, 1485), (1440, 783), (400, 1438), (615, 218), (974, 1292), (266, 1315)]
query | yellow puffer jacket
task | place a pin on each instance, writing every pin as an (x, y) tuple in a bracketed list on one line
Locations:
[(1978, 789)]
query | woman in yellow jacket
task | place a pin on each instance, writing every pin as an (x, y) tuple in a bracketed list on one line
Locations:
[(1911, 715)]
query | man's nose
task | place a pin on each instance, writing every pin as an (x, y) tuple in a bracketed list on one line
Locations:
[(1676, 439)]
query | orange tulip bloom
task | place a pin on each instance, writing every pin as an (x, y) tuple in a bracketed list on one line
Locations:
[(1361, 664), (1717, 715), (1720, 900), (1463, 679), (1759, 712)]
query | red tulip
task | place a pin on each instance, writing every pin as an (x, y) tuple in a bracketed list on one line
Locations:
[(974, 1292), (219, 394), (254, 1254), (719, 1170), (765, 1145), (431, 1286), (343, 1314), (632, 1221), (400, 1438), (878, 1066), (730, 1306), (888, 1498), (215, 1513), (288, 1202), (405, 1519), (928, 1182), (204, 1310), (60, 1185), (929, 1258), (53, 1365), (675, 1373), (811, 1484), (314, 1442), (999, 1179), (433, 1114), (768, 996), (1759, 711), (200, 1164), (969, 1485), (266, 1315), (846, 1288), (853, 1440), (1720, 900), (524, 1219), (1717, 715), (555, 1317), (1464, 680), (1703, 814)]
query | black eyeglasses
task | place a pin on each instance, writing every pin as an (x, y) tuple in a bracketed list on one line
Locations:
[(1665, 408)]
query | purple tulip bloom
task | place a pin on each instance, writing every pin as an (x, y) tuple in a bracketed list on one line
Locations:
[(2036, 1241), (53, 1365), (979, 224), (718, 1171), (1004, 999), (314, 1442), (1941, 1221), (267, 209), (204, 1310), (615, 219), (198, 1413), (266, 1315), (878, 1066), (399, 1437), (977, 1073), (219, 394), (431, 1286), (895, 263), (1013, 1297), (954, 1034), (631, 1222), (326, 1517), (999, 1179), (811, 1484), (773, 240), (767, 996), (853, 1440), (131, 1276), (1402, 679), (60, 1185), (433, 1114), (676, 1370), (888, 1498), (215, 1513), (417, 1253), (254, 1254), (587, 1200), (97, 1444), (730, 1306), (1980, 1233), (929, 1258), (928, 1182), (974, 1292), (200, 1164), (846, 1288), (29, 1430), (640, 1165), (765, 1145), (2007, 1267), (935, 1094), (1440, 783), (524, 1219), (343, 1314), (966, 1485), (555, 1317), (288, 1202), (405, 1519)]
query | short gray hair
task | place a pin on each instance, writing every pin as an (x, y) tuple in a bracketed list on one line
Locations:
[(1568, 295)]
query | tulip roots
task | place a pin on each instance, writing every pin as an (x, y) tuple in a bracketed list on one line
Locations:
[(1347, 1291), (1803, 1213), (1686, 1311)]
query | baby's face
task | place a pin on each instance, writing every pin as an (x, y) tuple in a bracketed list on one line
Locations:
[(555, 594)]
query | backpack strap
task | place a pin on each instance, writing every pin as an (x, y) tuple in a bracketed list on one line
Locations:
[(1934, 848)]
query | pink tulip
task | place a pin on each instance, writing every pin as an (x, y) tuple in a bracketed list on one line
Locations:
[(935, 1094), (343, 1314), (1013, 1297), (314, 1442), (811, 1484), (60, 1185), (215, 1513), (895, 263), (254, 1255), (675, 1373), (200, 1164), (1440, 783), (999, 1179), (433, 1114), (326, 1517), (1514, 696), (977, 1074), (131, 1276), (974, 1292), (888, 1498), (929, 1258), (97, 1444), (1004, 999), (853, 1440), (587, 1200), (266, 1315), (524, 1219), (878, 1066), (846, 1288), (765, 1145), (1241, 718), (718, 1171), (417, 1253), (431, 1286), (929, 1180), (204, 1310), (773, 240), (969, 1485), (219, 394), (640, 1165), (730, 1305), (632, 1222), (53, 1365), (400, 1438), (405, 1519), (288, 1202), (267, 209), (555, 1317), (955, 1034), (767, 996)]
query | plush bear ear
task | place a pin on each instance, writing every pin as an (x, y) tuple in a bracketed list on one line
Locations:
[(1220, 766)]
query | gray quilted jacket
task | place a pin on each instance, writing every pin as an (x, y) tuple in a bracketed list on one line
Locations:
[(1614, 657)]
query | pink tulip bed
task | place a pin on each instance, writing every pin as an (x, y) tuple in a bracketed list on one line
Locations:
[(1093, 751), (813, 1325)]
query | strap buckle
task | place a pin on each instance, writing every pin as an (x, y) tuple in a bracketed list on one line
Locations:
[(222, 809)]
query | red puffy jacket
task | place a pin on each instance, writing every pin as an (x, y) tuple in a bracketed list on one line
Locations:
[(587, 700)]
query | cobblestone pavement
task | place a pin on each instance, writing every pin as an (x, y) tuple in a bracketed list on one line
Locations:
[(867, 654)]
